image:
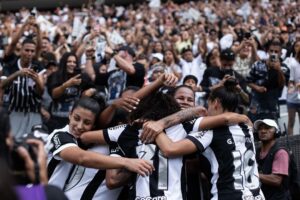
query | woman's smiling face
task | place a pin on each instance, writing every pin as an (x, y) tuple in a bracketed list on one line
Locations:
[(81, 120), (71, 64)]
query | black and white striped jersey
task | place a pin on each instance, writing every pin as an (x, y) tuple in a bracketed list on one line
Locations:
[(165, 181), (231, 153), (22, 95), (88, 183), (78, 182)]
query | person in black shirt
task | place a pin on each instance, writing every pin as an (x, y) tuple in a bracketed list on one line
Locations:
[(266, 79), (216, 76), (273, 161), (65, 87)]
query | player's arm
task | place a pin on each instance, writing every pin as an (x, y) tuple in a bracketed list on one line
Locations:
[(152, 128), (63, 147), (93, 137), (117, 177), (174, 149), (226, 118), (90, 159)]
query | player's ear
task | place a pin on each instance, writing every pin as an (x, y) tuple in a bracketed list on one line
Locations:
[(216, 103)]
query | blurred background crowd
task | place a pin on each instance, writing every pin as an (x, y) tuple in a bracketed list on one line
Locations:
[(190, 38)]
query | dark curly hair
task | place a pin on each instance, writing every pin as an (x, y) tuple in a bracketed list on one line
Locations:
[(155, 107), (63, 62)]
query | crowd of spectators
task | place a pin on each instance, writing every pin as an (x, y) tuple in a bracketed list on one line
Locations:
[(183, 39), (51, 59)]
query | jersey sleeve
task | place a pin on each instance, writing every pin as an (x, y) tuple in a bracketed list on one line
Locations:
[(61, 141), (112, 134), (281, 163), (201, 139), (197, 124)]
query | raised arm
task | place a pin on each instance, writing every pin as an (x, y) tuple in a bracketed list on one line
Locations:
[(165, 79), (129, 103), (126, 103), (202, 46), (11, 48), (123, 64)]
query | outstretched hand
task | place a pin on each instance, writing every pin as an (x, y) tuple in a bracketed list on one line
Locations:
[(168, 79), (126, 103)]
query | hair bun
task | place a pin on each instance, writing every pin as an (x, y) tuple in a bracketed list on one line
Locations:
[(230, 84)]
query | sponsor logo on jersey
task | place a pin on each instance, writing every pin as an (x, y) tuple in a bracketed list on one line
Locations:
[(251, 197), (56, 141), (118, 127), (200, 134), (151, 198), (229, 141), (115, 150)]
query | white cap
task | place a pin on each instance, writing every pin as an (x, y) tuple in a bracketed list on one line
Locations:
[(226, 41), (158, 56), (268, 122)]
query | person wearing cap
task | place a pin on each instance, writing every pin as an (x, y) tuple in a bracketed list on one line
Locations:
[(156, 58), (192, 81), (273, 161), (215, 77)]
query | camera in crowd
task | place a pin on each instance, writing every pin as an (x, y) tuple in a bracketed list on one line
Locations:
[(38, 132), (274, 57), (232, 82), (247, 35)]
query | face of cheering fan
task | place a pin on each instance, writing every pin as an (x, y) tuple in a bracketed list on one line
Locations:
[(71, 64)]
